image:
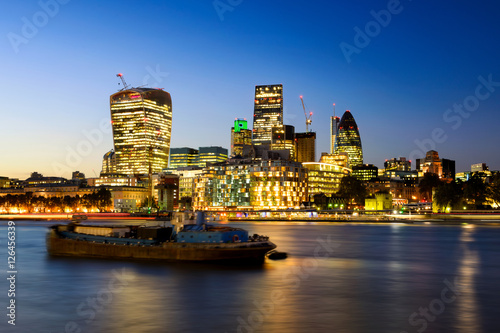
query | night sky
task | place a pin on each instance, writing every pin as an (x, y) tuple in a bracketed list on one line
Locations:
[(400, 77)]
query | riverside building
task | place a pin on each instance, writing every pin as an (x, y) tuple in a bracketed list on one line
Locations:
[(266, 184)]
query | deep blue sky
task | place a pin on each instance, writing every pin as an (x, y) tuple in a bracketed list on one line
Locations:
[(398, 87)]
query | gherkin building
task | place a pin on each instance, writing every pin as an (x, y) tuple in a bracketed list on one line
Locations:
[(348, 140)]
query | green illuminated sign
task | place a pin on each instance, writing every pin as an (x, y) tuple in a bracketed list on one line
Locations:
[(240, 125)]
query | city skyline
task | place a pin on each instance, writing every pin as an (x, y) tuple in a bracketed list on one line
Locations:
[(402, 85)]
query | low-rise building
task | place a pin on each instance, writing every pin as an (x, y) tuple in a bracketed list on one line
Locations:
[(379, 201)]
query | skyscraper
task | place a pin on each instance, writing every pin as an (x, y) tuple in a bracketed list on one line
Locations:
[(268, 112), (241, 137), (348, 140), (305, 144), (283, 138), (142, 122), (334, 127)]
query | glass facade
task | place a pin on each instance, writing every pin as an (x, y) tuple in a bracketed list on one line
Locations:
[(348, 140), (305, 144), (183, 157), (365, 172), (259, 185), (283, 139), (109, 163), (142, 123), (341, 159), (324, 178), (334, 127), (213, 154), (268, 112)]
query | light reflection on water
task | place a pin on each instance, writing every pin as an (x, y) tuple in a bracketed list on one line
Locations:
[(372, 281)]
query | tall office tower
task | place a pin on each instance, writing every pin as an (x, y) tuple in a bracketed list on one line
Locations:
[(348, 140), (268, 112), (241, 137), (210, 155), (305, 144), (142, 122), (334, 127), (283, 138), (183, 157)]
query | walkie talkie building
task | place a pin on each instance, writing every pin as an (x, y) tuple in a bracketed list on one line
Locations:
[(141, 119)]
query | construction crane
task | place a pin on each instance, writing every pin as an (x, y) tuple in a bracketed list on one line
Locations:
[(125, 85), (308, 116)]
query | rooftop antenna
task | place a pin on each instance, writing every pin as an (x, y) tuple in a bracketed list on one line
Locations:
[(125, 85)]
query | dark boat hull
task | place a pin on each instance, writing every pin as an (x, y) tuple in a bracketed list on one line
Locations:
[(170, 251)]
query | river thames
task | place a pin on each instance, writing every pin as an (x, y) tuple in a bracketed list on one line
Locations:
[(337, 278)]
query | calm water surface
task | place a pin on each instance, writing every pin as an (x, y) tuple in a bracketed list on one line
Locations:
[(338, 278)]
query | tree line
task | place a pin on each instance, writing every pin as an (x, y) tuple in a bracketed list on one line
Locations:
[(475, 193), (101, 200)]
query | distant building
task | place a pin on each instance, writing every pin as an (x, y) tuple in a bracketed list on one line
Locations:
[(348, 140), (112, 179), (305, 144), (4, 182), (463, 176), (479, 167), (142, 123), (78, 176), (448, 168), (186, 180), (109, 163), (268, 112), (283, 138), (183, 157), (167, 191), (401, 164), (334, 127), (341, 159), (365, 172), (241, 137), (210, 155), (431, 163), (403, 191)]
